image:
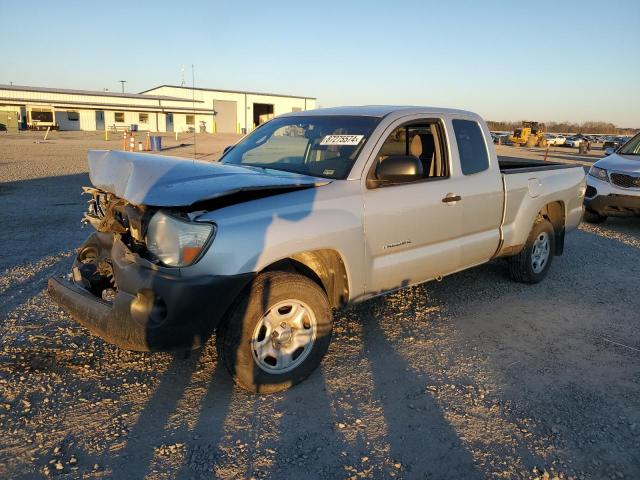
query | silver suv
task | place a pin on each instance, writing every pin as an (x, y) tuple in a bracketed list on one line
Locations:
[(613, 184)]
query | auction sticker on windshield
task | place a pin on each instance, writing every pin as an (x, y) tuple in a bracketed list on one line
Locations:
[(341, 140)]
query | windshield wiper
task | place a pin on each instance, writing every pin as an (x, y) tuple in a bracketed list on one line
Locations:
[(265, 168), (251, 165)]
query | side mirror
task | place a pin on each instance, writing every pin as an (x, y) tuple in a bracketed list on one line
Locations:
[(398, 169), (609, 150)]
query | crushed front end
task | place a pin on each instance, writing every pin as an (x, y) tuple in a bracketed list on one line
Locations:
[(123, 292)]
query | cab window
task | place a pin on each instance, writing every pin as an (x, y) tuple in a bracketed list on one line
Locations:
[(421, 140)]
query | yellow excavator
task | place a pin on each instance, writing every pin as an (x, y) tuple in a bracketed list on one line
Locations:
[(531, 134)]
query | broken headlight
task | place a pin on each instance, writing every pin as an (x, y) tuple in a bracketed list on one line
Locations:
[(177, 242)]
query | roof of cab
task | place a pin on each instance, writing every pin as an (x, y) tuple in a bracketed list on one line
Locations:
[(376, 111)]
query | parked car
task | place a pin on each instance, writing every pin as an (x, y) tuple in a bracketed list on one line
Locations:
[(613, 184), (501, 138), (612, 144), (574, 141), (311, 211), (553, 139)]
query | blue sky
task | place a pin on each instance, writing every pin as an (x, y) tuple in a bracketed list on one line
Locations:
[(545, 60)]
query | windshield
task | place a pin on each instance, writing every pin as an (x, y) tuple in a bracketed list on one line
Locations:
[(321, 146), (632, 147)]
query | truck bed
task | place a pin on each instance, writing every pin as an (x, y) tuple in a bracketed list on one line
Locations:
[(529, 186), (516, 165)]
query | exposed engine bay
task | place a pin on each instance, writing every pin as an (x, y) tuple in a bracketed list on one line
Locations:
[(108, 213), (112, 216)]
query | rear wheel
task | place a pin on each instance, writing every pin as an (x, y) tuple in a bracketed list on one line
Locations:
[(277, 333), (593, 217), (532, 263)]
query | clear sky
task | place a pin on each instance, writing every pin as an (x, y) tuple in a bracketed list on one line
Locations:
[(507, 60)]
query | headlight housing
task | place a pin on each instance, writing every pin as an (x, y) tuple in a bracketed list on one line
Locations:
[(599, 173), (177, 242)]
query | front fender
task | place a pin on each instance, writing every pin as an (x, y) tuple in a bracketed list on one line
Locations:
[(253, 235)]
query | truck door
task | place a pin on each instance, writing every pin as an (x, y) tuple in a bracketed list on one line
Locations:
[(482, 200), (411, 229)]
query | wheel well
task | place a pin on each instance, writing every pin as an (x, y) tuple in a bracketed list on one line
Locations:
[(555, 213), (325, 267)]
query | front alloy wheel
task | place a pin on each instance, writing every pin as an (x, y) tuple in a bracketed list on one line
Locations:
[(277, 333), (284, 336)]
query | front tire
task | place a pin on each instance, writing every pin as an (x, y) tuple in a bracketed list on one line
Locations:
[(276, 335), (532, 263), (590, 216)]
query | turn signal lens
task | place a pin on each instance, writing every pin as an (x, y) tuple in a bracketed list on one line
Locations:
[(189, 254), (582, 190)]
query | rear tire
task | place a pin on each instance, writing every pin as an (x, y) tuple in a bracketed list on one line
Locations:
[(590, 216), (277, 333), (532, 263)]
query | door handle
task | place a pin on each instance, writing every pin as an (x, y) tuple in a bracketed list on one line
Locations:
[(451, 198)]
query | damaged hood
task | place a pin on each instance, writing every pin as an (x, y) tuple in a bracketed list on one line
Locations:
[(160, 181)]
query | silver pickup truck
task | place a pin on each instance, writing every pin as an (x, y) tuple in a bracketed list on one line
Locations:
[(310, 212)]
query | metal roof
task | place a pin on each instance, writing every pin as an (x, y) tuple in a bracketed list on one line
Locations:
[(67, 91), (230, 91)]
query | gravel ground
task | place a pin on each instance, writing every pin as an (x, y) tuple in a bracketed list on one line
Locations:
[(472, 377)]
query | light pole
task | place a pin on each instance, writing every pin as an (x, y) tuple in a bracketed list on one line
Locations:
[(122, 82)]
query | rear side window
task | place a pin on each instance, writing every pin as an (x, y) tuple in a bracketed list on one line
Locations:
[(474, 157)]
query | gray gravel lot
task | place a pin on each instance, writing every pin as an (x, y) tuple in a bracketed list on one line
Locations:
[(472, 377)]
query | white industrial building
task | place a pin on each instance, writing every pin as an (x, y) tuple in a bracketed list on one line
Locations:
[(161, 109), (236, 111)]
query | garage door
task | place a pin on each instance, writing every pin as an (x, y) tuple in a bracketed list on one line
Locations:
[(227, 116), (8, 121)]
